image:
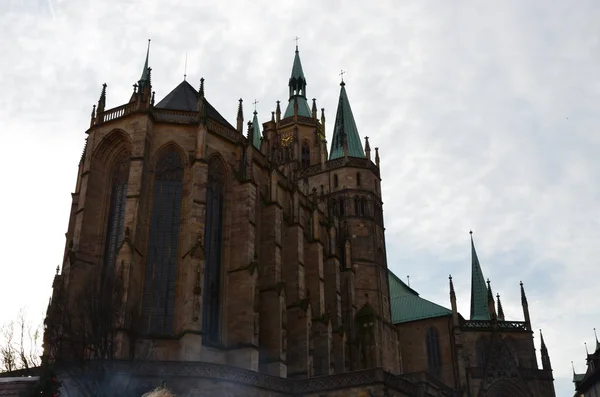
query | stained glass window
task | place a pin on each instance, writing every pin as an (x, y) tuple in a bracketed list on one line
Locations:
[(116, 215), (163, 243), (213, 242)]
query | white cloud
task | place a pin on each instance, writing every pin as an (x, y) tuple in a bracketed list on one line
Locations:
[(486, 116)]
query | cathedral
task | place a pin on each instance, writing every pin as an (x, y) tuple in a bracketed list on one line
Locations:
[(250, 260)]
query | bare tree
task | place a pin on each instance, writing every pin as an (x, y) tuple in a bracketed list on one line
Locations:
[(81, 331), (20, 344)]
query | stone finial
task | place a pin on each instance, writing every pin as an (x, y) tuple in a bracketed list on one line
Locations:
[(201, 90)]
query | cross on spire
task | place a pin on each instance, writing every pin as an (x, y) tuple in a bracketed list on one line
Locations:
[(254, 103), (342, 73), (185, 68), (296, 40)]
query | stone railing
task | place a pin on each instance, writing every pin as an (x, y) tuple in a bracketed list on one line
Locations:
[(525, 373), (499, 325), (413, 385), (359, 162), (115, 113)]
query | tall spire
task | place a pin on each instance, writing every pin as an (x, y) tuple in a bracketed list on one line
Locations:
[(345, 133), (297, 88), (544, 351), (479, 303), (256, 131)]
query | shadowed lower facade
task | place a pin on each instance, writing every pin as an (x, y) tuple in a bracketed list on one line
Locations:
[(251, 261)]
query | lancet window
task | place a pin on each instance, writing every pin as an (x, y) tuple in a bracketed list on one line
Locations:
[(163, 245)]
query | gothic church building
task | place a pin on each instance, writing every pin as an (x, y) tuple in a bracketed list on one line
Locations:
[(251, 261)]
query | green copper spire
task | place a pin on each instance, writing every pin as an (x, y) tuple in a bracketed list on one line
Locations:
[(297, 86), (257, 133), (479, 290), (344, 130), (145, 75)]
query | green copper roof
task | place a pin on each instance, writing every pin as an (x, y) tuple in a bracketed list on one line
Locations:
[(297, 86), (406, 304), (256, 130), (345, 130), (479, 291), (303, 109), (297, 72)]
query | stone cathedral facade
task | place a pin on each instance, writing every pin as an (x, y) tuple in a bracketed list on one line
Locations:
[(252, 262)]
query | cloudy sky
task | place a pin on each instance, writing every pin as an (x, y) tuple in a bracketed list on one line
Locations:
[(486, 114)]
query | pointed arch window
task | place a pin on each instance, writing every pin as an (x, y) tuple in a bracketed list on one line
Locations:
[(434, 361), (213, 246), (305, 155), (163, 244), (116, 214)]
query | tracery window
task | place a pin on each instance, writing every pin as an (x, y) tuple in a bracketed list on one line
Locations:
[(305, 155), (434, 363), (116, 215), (213, 246), (163, 243)]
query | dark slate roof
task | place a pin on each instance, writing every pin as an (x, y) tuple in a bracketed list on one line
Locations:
[(406, 304), (185, 97), (17, 386)]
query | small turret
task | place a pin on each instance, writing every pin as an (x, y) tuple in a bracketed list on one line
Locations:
[(314, 108), (240, 117), (323, 119), (491, 303), (367, 148), (545, 357), (201, 103), (453, 302), (102, 100), (525, 307), (500, 310), (256, 133), (277, 114), (93, 116), (377, 157)]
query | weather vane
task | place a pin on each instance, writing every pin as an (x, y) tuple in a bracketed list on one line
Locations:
[(296, 40), (342, 73), (254, 103)]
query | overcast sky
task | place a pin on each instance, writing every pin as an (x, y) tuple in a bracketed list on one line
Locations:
[(486, 115)]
